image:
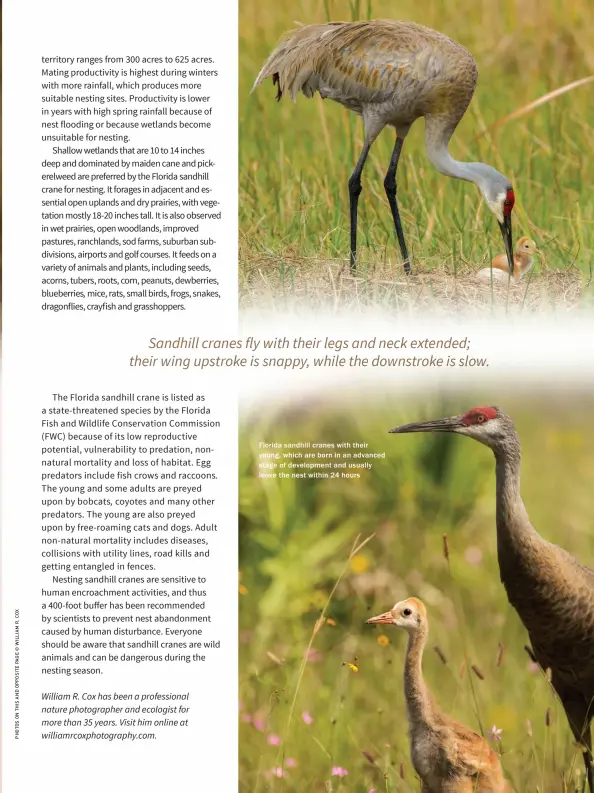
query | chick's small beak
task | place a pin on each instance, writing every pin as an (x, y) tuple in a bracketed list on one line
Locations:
[(450, 424), (506, 233), (381, 619)]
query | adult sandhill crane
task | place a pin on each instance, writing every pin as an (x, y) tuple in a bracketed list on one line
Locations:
[(391, 73), (523, 259), (551, 591), (449, 757)]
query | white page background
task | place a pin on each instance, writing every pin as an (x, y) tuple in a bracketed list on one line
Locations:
[(44, 353)]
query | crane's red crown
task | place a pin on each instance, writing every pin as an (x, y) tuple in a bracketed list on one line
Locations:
[(509, 202), (479, 416)]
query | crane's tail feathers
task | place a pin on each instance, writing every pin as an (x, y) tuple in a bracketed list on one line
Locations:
[(275, 81), (272, 69), (291, 64), (274, 61)]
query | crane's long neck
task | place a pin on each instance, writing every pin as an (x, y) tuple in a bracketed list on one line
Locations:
[(419, 702), (517, 541), (438, 132), (510, 507)]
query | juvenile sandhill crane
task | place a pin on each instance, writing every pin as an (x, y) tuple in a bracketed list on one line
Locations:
[(391, 73), (449, 757), (523, 260), (551, 591)]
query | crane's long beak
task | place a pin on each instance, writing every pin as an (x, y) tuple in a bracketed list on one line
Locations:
[(381, 619), (506, 233), (451, 424)]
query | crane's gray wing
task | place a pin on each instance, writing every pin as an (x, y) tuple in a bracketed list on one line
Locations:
[(370, 62)]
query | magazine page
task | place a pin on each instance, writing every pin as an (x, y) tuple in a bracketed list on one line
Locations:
[(298, 380)]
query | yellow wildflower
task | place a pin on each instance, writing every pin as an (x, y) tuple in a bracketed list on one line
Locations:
[(359, 563)]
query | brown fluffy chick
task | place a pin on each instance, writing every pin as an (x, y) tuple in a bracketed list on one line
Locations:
[(523, 260), (448, 757)]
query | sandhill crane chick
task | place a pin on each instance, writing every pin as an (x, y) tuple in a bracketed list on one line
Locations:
[(391, 73), (448, 757), (551, 591), (523, 260)]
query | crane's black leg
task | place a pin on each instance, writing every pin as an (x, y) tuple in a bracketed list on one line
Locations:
[(390, 187), (354, 193), (579, 717), (587, 755), (588, 760)]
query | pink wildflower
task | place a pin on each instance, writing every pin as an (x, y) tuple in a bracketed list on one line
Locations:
[(306, 717), (274, 740), (259, 724), (290, 762), (278, 771), (339, 771), (473, 555), (494, 734), (246, 717)]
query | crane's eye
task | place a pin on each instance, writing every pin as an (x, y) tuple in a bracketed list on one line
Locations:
[(508, 202), (407, 612), (480, 418)]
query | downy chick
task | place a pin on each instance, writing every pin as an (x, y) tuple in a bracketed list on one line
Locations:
[(523, 260), (448, 757)]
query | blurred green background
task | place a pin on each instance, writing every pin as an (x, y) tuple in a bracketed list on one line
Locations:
[(345, 692), (295, 159)]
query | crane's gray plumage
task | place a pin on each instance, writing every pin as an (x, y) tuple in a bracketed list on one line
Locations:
[(551, 591), (391, 73)]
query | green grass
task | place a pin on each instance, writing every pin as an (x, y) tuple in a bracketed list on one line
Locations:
[(295, 159), (295, 541)]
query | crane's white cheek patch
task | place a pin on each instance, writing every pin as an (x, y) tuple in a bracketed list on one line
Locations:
[(497, 206)]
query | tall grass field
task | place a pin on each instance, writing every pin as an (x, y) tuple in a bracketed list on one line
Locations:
[(295, 159), (321, 695)]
